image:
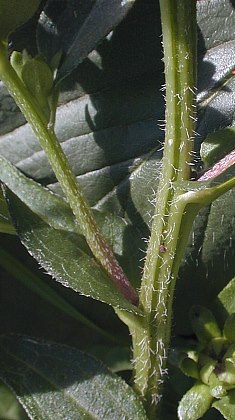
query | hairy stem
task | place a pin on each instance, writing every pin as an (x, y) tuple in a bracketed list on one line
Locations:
[(151, 342), (65, 176)]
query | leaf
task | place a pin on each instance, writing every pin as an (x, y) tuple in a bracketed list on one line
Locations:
[(217, 145), (69, 264), (224, 304), (48, 206), (229, 328), (5, 221), (106, 175), (10, 409), (56, 381), (116, 358), (226, 405), (56, 212), (88, 22), (204, 324), (32, 281), (15, 14), (195, 402)]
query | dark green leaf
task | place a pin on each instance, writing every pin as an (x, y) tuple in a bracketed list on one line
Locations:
[(69, 264), (102, 125), (53, 381), (204, 324), (56, 212), (217, 145), (195, 402), (224, 304), (116, 358), (32, 281), (229, 328), (10, 409), (5, 220), (15, 14), (76, 28), (50, 207)]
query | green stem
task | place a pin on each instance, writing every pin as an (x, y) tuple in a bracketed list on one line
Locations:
[(65, 176), (151, 342)]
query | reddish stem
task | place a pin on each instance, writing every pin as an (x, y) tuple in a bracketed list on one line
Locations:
[(219, 167)]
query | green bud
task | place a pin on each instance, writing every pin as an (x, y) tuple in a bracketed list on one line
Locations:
[(217, 347), (228, 373), (17, 62), (230, 353), (204, 324), (190, 368), (204, 359), (207, 374), (36, 76), (218, 391), (13, 13)]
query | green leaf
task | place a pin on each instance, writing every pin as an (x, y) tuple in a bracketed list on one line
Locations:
[(5, 220), (195, 402), (10, 409), (32, 281), (217, 145), (55, 381), (116, 358), (204, 324), (112, 169), (48, 206), (89, 22), (14, 13), (226, 405), (57, 213), (229, 328), (224, 304), (71, 264)]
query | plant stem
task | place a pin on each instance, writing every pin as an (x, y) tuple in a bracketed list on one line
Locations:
[(219, 167), (65, 176), (151, 342)]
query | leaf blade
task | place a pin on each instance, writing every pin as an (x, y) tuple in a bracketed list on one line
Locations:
[(55, 211), (69, 264), (55, 381), (32, 281), (195, 402), (89, 22)]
